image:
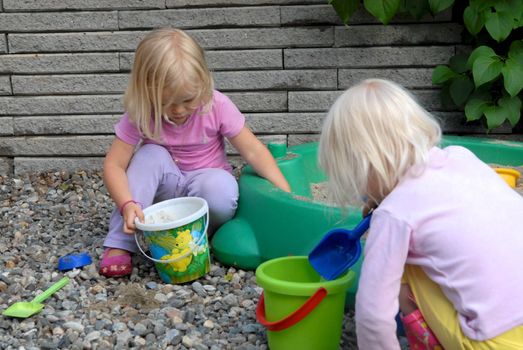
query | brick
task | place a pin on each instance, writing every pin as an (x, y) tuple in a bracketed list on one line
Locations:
[(112, 104), (321, 101), (299, 139), (325, 14), (55, 146), (61, 105), (202, 17), (219, 3), (209, 39), (270, 101), (227, 60), (245, 59), (280, 79), (59, 63), (65, 125), (408, 77), (79, 42), (58, 21), (3, 43), (398, 34), (309, 15), (312, 101), (69, 84), (126, 60), (5, 85), (54, 5), (367, 57), (285, 122), (6, 126), (264, 37), (25, 165), (6, 166)]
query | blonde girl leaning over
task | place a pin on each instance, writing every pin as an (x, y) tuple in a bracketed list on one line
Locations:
[(170, 142), (445, 242)]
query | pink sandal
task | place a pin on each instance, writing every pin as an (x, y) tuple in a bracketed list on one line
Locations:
[(115, 266), (419, 335)]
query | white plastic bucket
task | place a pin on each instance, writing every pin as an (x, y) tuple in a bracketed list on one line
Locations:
[(175, 232)]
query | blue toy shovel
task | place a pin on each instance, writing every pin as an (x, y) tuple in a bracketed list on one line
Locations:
[(338, 250)]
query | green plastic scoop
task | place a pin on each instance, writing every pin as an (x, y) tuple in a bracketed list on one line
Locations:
[(24, 309)]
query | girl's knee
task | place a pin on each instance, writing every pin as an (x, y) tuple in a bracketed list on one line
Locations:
[(218, 185), (220, 189), (149, 157), (151, 153)]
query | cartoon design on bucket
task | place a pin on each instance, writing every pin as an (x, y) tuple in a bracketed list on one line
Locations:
[(178, 247), (181, 247)]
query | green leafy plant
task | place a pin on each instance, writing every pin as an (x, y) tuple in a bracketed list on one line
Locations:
[(486, 83)]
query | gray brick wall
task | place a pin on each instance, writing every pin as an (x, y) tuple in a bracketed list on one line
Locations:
[(64, 65)]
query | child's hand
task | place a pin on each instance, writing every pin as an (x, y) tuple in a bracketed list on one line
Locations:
[(131, 211)]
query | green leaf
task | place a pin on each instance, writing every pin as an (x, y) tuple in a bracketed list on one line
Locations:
[(345, 8), (458, 63), (475, 108), (441, 74), (495, 116), (383, 10), (482, 5), (473, 20), (446, 100), (499, 25), (485, 69), (512, 108), (516, 51), (440, 5), (512, 76), (460, 89), (417, 8), (512, 7), (478, 52)]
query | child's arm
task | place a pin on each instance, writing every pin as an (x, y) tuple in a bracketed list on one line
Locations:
[(258, 156), (115, 179)]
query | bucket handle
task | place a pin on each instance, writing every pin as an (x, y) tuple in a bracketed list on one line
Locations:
[(204, 233), (294, 317)]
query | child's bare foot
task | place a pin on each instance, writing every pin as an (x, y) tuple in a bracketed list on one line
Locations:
[(116, 263)]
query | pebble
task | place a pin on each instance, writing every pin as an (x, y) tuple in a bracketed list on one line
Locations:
[(46, 216)]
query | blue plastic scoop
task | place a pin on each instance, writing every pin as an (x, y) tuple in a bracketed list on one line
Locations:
[(338, 250)]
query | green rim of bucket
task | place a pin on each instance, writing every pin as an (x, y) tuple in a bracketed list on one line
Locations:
[(338, 285), (177, 223)]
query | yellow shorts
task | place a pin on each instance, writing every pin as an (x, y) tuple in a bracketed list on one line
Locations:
[(442, 318)]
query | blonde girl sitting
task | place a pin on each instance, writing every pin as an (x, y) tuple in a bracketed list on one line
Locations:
[(445, 241), (171, 142)]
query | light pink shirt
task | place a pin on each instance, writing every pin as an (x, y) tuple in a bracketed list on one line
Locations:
[(199, 142), (462, 224)]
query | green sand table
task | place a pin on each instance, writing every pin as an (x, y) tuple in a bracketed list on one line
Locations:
[(270, 223)]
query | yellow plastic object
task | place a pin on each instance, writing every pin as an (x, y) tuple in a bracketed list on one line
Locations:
[(511, 176)]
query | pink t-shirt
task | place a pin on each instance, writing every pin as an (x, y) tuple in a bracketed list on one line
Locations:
[(461, 223), (199, 142)]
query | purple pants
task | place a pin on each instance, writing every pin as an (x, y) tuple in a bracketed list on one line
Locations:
[(153, 177)]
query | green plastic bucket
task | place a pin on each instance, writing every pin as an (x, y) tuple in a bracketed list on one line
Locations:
[(299, 309), (175, 232)]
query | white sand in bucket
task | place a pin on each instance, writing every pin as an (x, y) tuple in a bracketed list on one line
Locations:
[(161, 217)]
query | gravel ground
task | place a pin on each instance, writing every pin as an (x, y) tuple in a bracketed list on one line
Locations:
[(46, 216)]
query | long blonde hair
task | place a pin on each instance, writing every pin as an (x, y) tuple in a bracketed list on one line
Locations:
[(373, 134), (166, 58)]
